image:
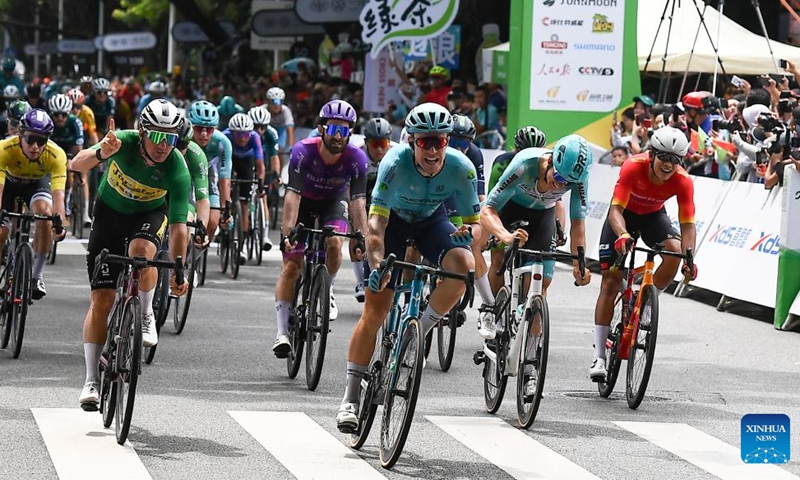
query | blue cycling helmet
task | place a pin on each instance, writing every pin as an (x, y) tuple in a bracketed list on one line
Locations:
[(203, 114), (337, 110), (572, 158), (227, 106), (429, 118)]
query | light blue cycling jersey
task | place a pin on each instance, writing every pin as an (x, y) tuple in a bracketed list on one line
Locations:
[(219, 151), (402, 189), (518, 186), (251, 150)]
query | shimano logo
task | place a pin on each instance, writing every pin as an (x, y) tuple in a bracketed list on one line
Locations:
[(597, 47)]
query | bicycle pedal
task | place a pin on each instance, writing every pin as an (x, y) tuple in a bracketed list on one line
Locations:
[(89, 407), (479, 357)]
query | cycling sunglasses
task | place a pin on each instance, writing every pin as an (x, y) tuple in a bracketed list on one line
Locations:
[(200, 129), (669, 158), (60, 115), (171, 139), (460, 143), (332, 129), (378, 142), (241, 135), (31, 139), (427, 143)]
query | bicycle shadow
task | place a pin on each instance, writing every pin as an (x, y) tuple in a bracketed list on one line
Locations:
[(413, 465), (170, 447)]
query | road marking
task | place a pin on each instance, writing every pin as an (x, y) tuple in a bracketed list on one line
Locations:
[(306, 449), (78, 443), (509, 449), (71, 247), (701, 449)]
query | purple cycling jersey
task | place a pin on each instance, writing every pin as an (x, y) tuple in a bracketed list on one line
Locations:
[(312, 178)]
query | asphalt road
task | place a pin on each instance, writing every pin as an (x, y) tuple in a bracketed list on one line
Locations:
[(215, 403)]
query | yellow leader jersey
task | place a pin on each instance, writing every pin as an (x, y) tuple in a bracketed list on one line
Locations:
[(86, 115), (14, 163)]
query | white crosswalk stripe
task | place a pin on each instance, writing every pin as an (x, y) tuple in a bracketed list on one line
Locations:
[(78, 443)]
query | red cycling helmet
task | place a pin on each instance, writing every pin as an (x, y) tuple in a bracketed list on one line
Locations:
[(695, 100)]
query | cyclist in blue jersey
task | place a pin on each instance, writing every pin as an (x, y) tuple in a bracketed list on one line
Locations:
[(204, 118), (247, 154), (528, 190), (269, 143), (282, 119), (101, 103), (326, 176), (413, 183)]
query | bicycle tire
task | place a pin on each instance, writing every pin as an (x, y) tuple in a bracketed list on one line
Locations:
[(22, 297), (5, 315), (613, 362), (317, 325), (161, 306), (108, 387), (446, 338), (526, 414), (204, 262), (635, 394), (273, 200), (296, 333), (129, 351), (391, 445), (79, 210), (236, 240), (224, 251), (51, 255), (249, 239), (181, 312), (258, 231), (370, 384), (495, 377)]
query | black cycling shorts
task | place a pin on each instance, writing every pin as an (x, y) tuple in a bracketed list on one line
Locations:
[(28, 190), (541, 230), (243, 167), (653, 228), (319, 213), (113, 230)]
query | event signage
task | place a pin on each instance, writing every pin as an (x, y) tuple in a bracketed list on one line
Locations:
[(569, 44), (123, 42), (76, 46), (329, 11), (383, 21), (381, 81), (190, 32), (444, 50)]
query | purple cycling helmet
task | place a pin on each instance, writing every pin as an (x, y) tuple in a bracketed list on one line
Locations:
[(337, 110), (37, 121)]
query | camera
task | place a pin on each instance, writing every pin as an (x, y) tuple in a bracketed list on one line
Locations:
[(730, 125), (769, 123)]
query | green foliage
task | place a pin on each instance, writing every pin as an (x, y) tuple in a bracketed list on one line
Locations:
[(134, 12)]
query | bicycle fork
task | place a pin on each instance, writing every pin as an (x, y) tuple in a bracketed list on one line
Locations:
[(537, 271)]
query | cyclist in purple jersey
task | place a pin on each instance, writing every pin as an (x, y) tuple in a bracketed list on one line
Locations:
[(322, 171), (246, 154)]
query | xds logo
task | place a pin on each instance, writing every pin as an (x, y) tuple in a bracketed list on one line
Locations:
[(768, 243)]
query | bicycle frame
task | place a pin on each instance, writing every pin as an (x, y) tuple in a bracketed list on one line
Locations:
[(396, 325)]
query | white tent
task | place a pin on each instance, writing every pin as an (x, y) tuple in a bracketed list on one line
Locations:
[(741, 51)]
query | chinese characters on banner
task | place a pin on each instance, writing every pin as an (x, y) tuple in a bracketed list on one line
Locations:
[(576, 55), (446, 49), (384, 21), (381, 81)]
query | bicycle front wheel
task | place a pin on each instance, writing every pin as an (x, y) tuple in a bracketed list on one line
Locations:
[(51, 255), (202, 268), (402, 387), (236, 240), (446, 338), (532, 361), (181, 313), (643, 347), (21, 297), (224, 250), (7, 301), (257, 228), (128, 360), (297, 332), (495, 377), (613, 361), (318, 323)]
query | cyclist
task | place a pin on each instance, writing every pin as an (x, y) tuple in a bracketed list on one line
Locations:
[(528, 190), (26, 160), (269, 143), (247, 153), (197, 164), (14, 113), (85, 84), (101, 103), (227, 109), (9, 76), (68, 134), (143, 168), (282, 119), (413, 183), (204, 119), (646, 181), (85, 114), (156, 90), (376, 142), (322, 171), (33, 93)]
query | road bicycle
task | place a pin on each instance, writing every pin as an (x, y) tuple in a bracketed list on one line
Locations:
[(521, 344), (16, 276), (236, 238), (634, 326), (224, 237), (273, 199), (446, 330), (395, 373), (120, 362), (193, 266), (255, 238), (309, 319)]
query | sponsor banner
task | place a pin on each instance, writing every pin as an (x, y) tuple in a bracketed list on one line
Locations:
[(381, 81), (125, 42), (788, 282), (446, 49), (329, 11), (576, 55)]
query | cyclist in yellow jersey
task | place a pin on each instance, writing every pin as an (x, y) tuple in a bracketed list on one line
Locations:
[(25, 161), (86, 116)]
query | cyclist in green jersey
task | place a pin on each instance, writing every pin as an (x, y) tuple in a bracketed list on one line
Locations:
[(269, 144), (196, 162), (143, 168)]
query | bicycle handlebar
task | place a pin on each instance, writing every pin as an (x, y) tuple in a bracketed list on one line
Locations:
[(657, 250), (326, 231), (514, 249), (139, 263), (55, 218), (391, 261), (200, 229)]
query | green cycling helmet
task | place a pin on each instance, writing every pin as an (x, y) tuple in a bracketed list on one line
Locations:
[(227, 106), (572, 158)]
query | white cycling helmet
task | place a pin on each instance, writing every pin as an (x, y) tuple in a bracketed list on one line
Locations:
[(429, 118), (670, 140), (161, 114), (59, 103), (260, 115), (101, 85), (276, 93), (11, 92), (241, 122)]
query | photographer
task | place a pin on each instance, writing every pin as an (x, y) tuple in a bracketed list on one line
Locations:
[(779, 157), (642, 131), (744, 142), (621, 132)]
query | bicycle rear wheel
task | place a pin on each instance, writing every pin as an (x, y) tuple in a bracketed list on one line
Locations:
[(536, 346), (318, 321), (21, 297), (368, 393), (613, 361), (643, 348), (51, 255), (495, 377), (128, 359), (257, 228), (7, 303), (297, 333), (181, 311), (402, 387), (446, 338), (236, 240)]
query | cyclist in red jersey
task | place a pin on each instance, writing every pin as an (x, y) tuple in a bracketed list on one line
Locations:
[(646, 181)]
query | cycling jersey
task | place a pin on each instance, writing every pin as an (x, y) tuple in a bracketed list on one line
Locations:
[(129, 186), (219, 154), (251, 150), (198, 170), (518, 185), (635, 192), (476, 157), (270, 142), (498, 167), (102, 111), (17, 167), (86, 115), (372, 165), (311, 177), (70, 135), (280, 122), (401, 189)]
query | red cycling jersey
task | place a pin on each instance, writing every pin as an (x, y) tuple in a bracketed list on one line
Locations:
[(635, 192)]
